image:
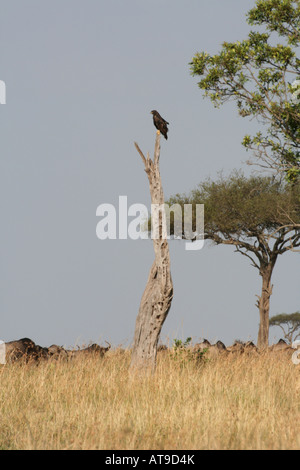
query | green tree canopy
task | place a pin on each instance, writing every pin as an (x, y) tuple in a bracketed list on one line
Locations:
[(263, 78)]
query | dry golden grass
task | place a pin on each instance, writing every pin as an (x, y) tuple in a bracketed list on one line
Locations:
[(236, 402)]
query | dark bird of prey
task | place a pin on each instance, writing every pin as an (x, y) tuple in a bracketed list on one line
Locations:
[(160, 124)]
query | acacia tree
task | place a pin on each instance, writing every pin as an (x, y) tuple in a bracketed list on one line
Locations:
[(264, 81), (289, 323), (254, 216)]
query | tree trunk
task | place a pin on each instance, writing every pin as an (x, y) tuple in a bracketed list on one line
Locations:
[(158, 294), (263, 305)]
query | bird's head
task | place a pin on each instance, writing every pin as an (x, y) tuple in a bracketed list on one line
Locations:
[(153, 112)]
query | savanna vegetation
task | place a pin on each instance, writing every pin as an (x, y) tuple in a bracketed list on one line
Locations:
[(232, 402), (289, 323), (193, 400)]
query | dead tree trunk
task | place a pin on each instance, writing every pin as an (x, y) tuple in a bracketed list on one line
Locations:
[(158, 294)]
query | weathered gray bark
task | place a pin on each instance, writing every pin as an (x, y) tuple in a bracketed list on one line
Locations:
[(158, 294), (263, 305)]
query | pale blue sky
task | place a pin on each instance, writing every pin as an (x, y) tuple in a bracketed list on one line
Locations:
[(82, 78)]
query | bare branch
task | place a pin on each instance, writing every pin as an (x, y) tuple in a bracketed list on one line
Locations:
[(141, 153)]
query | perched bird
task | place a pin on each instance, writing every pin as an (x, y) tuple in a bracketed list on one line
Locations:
[(160, 124)]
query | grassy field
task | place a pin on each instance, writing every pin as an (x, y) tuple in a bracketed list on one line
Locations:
[(234, 402)]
